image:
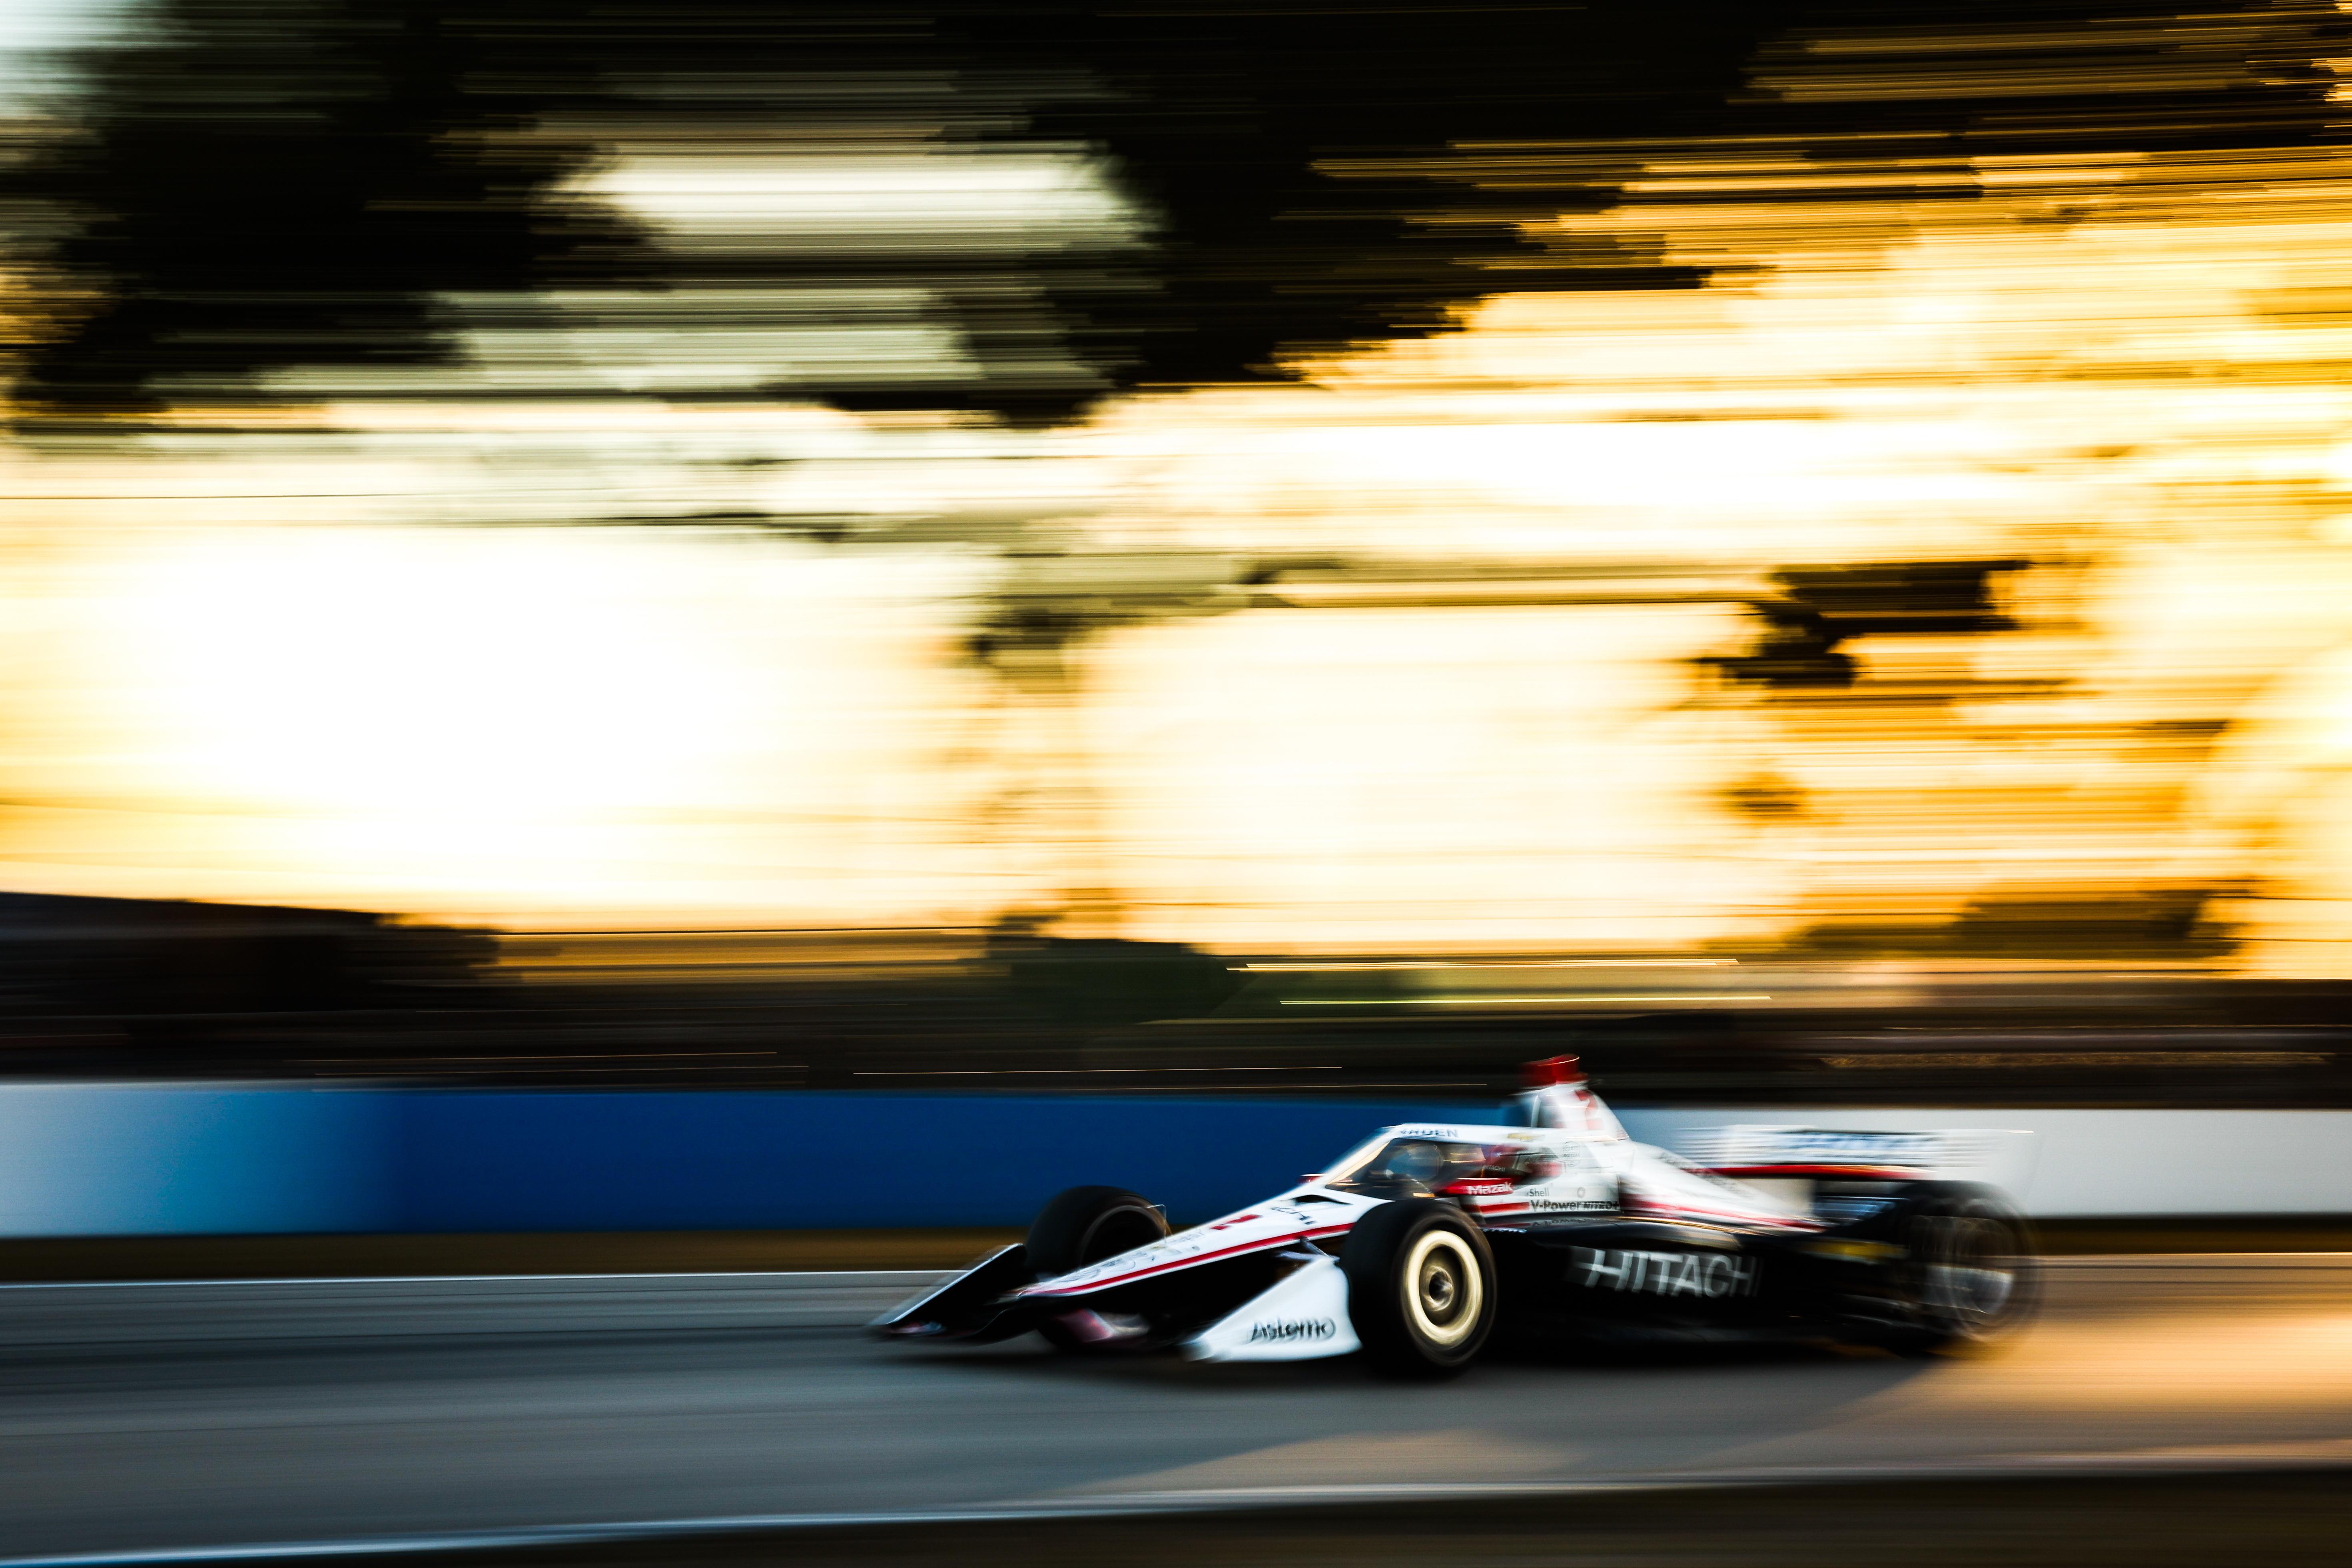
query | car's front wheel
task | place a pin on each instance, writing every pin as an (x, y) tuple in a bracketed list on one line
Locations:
[(1084, 1225), (1087, 1225), (1420, 1287)]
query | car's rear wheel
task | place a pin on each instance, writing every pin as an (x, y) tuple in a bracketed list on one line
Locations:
[(1084, 1226), (1970, 1279), (1420, 1287)]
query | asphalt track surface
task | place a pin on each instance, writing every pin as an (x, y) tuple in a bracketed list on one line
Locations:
[(176, 1418)]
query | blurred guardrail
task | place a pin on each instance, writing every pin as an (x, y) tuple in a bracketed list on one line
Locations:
[(142, 1159)]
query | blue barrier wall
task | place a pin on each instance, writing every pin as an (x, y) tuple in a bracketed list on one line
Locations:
[(112, 1159), (556, 1161), (137, 1160), (129, 1160)]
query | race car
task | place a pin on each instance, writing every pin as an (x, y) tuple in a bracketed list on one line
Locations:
[(1426, 1242)]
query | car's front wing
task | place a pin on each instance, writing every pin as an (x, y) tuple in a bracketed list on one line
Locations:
[(1273, 1304)]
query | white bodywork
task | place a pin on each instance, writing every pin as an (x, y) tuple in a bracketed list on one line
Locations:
[(1796, 1154), (1301, 1318), (1601, 1171)]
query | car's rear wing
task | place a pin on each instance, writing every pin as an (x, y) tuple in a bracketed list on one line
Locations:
[(1770, 1152)]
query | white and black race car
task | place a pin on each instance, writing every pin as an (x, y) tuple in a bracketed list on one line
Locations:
[(1421, 1245)]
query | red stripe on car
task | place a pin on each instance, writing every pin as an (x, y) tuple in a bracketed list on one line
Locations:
[(1145, 1273)]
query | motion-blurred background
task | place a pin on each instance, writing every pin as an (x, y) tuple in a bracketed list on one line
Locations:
[(763, 542)]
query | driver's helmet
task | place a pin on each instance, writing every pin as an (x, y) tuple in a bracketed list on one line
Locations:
[(1467, 1162), (1524, 1165), (1417, 1160)]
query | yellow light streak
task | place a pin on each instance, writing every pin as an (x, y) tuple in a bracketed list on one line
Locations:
[(1316, 966), (1516, 1001)]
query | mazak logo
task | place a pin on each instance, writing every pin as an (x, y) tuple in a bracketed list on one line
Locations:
[(1293, 1331), (1711, 1275)]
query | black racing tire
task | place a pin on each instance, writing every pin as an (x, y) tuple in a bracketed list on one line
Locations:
[(1421, 1289), (1969, 1280), (1087, 1225)]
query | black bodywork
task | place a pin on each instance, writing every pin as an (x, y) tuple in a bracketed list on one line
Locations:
[(1619, 1277)]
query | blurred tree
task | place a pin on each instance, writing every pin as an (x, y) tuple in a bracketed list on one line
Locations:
[(254, 184), (1314, 171), (259, 183)]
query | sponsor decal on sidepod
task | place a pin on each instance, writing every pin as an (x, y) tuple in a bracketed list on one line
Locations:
[(1710, 1275), (1285, 1333)]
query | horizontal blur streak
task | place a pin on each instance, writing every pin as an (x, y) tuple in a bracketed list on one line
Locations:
[(1883, 493)]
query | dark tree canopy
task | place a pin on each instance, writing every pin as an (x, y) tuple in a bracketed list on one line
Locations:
[(261, 184), (1297, 157), (264, 184)]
